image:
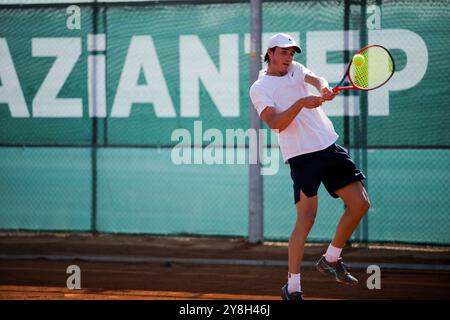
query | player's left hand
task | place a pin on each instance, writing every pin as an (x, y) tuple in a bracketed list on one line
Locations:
[(327, 94)]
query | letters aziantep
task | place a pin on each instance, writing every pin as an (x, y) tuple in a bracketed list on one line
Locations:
[(195, 66), (10, 89)]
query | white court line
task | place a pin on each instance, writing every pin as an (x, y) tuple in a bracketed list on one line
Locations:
[(237, 262)]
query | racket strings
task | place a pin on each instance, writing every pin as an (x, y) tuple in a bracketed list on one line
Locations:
[(375, 70)]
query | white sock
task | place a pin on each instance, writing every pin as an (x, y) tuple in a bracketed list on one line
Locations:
[(333, 253), (294, 282)]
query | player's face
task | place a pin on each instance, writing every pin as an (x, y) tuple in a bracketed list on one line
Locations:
[(282, 59)]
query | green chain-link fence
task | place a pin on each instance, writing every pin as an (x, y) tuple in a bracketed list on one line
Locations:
[(160, 66)]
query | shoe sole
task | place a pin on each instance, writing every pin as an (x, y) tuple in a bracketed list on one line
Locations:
[(335, 278), (283, 295)]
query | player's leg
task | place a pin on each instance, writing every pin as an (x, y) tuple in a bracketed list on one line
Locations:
[(357, 202), (306, 214), (342, 179), (305, 173)]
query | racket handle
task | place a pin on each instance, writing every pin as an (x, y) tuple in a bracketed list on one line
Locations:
[(338, 88)]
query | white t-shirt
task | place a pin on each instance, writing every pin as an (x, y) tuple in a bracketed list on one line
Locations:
[(311, 130)]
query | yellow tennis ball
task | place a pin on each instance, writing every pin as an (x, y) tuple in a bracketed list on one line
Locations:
[(359, 60)]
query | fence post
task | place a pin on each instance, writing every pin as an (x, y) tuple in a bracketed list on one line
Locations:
[(94, 142), (255, 214), (364, 110)]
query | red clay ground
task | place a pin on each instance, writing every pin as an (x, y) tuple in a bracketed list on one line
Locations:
[(46, 279)]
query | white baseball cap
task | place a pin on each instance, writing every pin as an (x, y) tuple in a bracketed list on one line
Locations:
[(283, 40)]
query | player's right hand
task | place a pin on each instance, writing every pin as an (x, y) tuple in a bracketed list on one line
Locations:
[(311, 102)]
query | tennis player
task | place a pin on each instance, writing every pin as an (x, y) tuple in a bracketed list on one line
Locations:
[(307, 141)]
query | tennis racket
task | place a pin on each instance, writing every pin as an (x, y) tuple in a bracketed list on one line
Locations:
[(370, 68)]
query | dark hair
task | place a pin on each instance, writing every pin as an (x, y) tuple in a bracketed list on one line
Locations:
[(266, 57)]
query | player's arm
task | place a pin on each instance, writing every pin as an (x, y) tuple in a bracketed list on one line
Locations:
[(321, 84), (281, 120)]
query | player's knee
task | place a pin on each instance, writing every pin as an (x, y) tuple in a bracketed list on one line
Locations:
[(366, 205), (307, 220), (361, 206)]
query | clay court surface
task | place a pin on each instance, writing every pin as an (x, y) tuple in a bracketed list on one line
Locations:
[(167, 268)]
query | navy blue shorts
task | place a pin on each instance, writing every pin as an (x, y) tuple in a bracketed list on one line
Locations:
[(332, 166)]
